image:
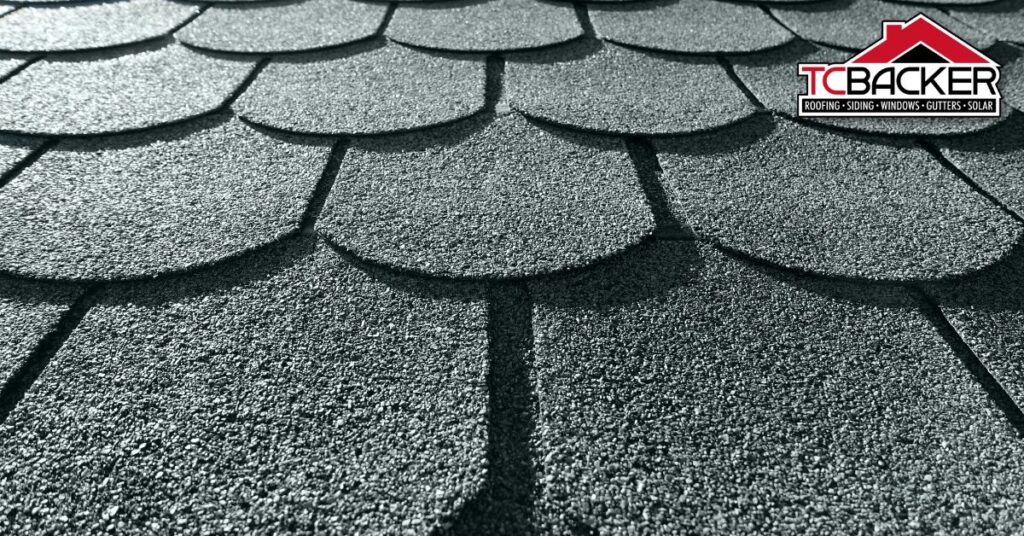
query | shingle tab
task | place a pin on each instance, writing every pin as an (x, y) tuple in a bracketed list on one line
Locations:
[(307, 25), (143, 206), (772, 77), (688, 26), (90, 26), (295, 397), (988, 313), (108, 94), (28, 312), (682, 392), (468, 25), (390, 89), (994, 160), (624, 91), (813, 200), (505, 199), (855, 24), (1004, 20)]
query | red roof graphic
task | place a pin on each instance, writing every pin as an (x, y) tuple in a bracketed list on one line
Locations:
[(899, 37)]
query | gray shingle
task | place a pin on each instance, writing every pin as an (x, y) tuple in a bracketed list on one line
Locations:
[(994, 160), (143, 206), (988, 313), (271, 28), (715, 399), (272, 399), (772, 77), (108, 94), (90, 26), (855, 24), (6, 66), (688, 26), (504, 199), (623, 91), (29, 312), (390, 89), (1003, 20), (838, 205), (467, 25), (13, 151)]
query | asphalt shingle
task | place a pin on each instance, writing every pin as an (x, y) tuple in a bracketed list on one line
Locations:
[(994, 160), (688, 26), (29, 311), (109, 94), (504, 199), (297, 384), (143, 206), (772, 78), (307, 25), (988, 312), (467, 25), (624, 91), (9, 65), (855, 24), (390, 89), (716, 399), (1003, 20), (90, 26), (13, 151), (834, 204)]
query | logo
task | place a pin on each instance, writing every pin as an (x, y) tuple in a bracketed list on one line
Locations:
[(917, 69)]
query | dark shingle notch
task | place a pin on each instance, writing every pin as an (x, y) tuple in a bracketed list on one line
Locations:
[(19, 383), (974, 364), (323, 187), (852, 288), (946, 163), (14, 171), (645, 158), (504, 504), (739, 82)]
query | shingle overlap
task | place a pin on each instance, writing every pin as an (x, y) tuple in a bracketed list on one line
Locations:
[(484, 26), (385, 90), (838, 205), (855, 24), (113, 93), (30, 311), (499, 199), (688, 26), (684, 392), (307, 25), (295, 393), (90, 26), (1003, 19), (139, 207), (624, 91)]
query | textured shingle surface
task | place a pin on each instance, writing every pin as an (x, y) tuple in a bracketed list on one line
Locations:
[(389, 89), (96, 210), (856, 24), (625, 91), (306, 25), (484, 26), (688, 26), (90, 26), (504, 199), (112, 93), (173, 406), (840, 205), (510, 267), (701, 399)]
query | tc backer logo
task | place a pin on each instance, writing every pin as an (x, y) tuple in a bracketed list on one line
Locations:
[(917, 69)]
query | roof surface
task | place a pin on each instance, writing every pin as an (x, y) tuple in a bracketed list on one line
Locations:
[(501, 267)]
